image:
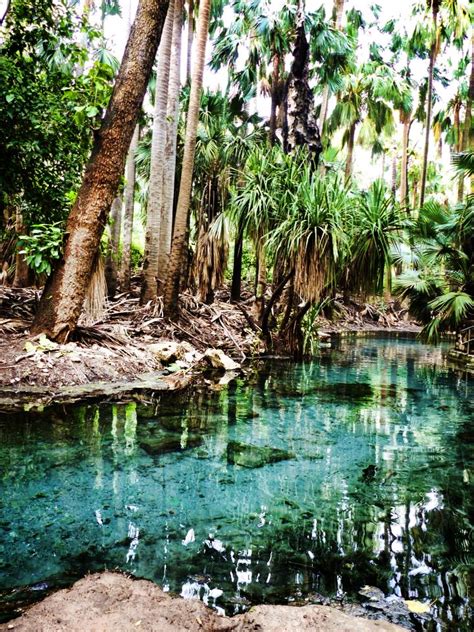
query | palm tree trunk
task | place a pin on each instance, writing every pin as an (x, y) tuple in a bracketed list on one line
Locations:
[(274, 98), (128, 212), (261, 284), (237, 267), (404, 166), (350, 151), (394, 176), (468, 133), (337, 12), (63, 296), (189, 49), (172, 116), (178, 245), (429, 106), (157, 163), (112, 261)]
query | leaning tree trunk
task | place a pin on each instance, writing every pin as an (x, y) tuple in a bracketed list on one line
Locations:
[(128, 212), (178, 246), (302, 127), (429, 105), (157, 164), (63, 296), (172, 117)]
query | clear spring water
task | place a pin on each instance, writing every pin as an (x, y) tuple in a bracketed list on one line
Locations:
[(376, 487)]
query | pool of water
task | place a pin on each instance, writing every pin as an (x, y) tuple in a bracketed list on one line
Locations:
[(318, 477)]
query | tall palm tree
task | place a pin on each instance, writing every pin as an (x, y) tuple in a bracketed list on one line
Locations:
[(157, 163), (178, 245), (172, 116), (337, 14)]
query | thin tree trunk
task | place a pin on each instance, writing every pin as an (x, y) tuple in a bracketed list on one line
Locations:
[(189, 49), (22, 272), (157, 164), (404, 165), (338, 11), (237, 267), (128, 212), (261, 283), (178, 246), (394, 176), (350, 151), (172, 117), (429, 107), (274, 98), (112, 261), (468, 132), (63, 296)]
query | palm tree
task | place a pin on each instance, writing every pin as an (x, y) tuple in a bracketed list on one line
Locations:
[(128, 211), (157, 164), (178, 245), (454, 22), (63, 296), (337, 13), (172, 116)]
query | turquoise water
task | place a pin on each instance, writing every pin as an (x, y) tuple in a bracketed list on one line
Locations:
[(371, 484)]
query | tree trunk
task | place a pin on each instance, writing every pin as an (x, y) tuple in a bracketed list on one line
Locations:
[(394, 176), (468, 132), (274, 98), (261, 283), (112, 258), (178, 246), (337, 12), (128, 212), (350, 151), (172, 117), (189, 50), (237, 267), (63, 296), (157, 164), (404, 166), (429, 106), (22, 272), (302, 127)]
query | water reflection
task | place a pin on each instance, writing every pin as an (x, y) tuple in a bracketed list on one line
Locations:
[(354, 469)]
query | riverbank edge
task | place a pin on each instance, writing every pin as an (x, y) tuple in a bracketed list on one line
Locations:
[(152, 384), (114, 602)]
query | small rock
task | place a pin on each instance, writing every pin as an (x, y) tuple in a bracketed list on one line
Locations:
[(166, 351), (219, 360)]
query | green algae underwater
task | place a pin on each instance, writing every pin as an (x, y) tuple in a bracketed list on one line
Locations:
[(301, 482)]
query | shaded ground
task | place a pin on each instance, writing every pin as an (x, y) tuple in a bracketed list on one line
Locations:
[(110, 602), (116, 348)]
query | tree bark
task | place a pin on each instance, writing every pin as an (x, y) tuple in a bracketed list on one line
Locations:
[(350, 151), (189, 48), (237, 267), (112, 258), (22, 272), (468, 132), (429, 106), (274, 98), (157, 164), (128, 212), (178, 246), (302, 127), (63, 296), (404, 166), (172, 117)]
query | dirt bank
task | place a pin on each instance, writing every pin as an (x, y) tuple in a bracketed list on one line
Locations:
[(110, 602)]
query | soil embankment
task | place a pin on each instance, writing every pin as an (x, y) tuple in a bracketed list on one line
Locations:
[(110, 602)]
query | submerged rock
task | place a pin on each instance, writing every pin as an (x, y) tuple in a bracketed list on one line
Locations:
[(248, 455), (163, 443)]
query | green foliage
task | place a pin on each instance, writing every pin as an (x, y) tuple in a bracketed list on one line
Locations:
[(42, 246), (55, 80)]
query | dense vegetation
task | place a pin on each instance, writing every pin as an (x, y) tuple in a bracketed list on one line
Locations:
[(342, 187)]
